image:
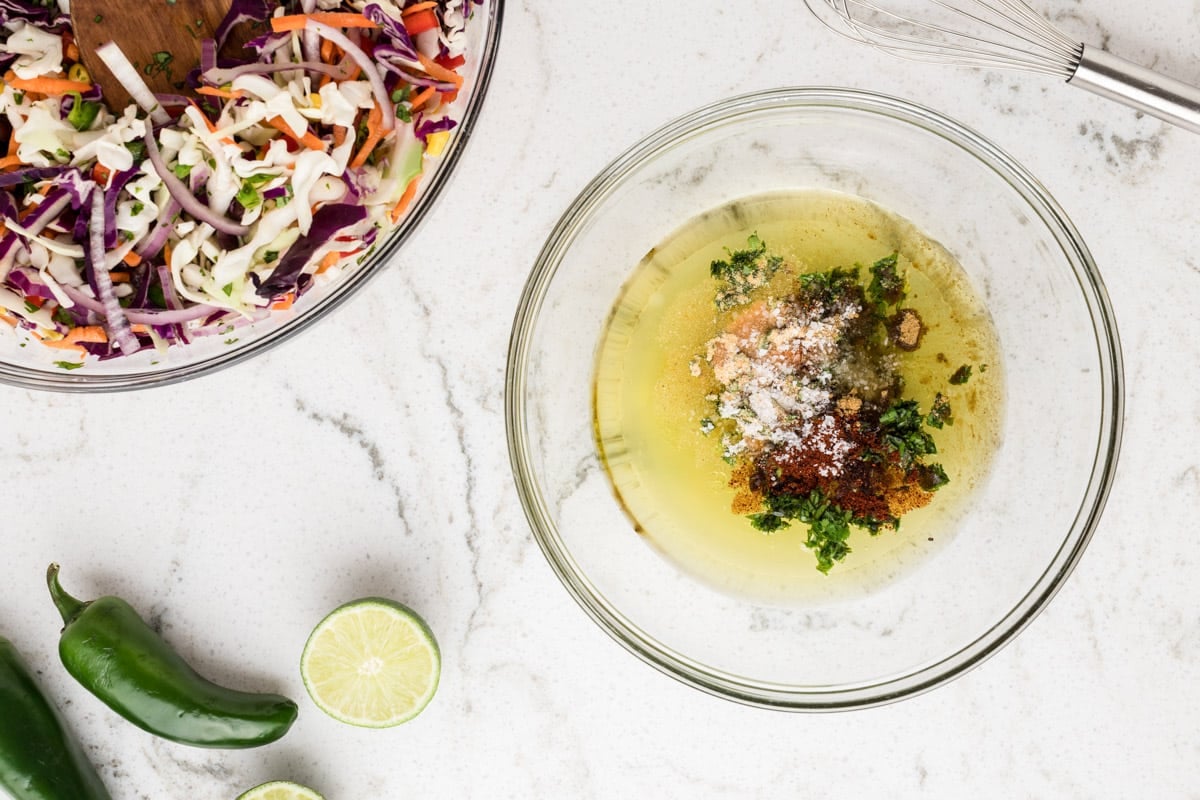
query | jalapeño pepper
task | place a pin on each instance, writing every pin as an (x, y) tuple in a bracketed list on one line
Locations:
[(39, 758), (107, 647)]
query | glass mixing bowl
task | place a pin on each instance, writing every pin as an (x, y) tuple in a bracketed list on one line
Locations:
[(33, 367), (1025, 528)]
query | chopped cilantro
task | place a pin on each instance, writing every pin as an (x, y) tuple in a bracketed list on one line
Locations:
[(961, 375), (31, 308), (138, 207), (227, 289), (743, 272), (270, 256), (828, 525), (740, 261), (830, 284), (157, 296), (182, 170), (940, 413), (68, 364), (901, 426), (887, 284), (932, 477), (137, 148)]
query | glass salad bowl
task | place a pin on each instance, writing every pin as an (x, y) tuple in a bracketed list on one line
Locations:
[(26, 363), (1023, 528)]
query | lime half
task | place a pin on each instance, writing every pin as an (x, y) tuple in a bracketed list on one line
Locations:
[(371, 662), (280, 790)]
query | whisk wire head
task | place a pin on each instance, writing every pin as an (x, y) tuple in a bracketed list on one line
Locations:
[(994, 34)]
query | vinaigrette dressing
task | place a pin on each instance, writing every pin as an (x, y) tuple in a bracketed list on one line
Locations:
[(652, 410)]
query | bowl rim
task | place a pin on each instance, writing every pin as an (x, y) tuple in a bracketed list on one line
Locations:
[(930, 675), (72, 382)]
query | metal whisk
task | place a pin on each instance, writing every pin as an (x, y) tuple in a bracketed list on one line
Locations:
[(1006, 34)]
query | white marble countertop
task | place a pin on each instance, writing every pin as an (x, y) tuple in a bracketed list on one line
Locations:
[(237, 509)]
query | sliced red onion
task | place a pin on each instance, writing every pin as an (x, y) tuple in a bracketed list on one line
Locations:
[(171, 99), (172, 299), (144, 316), (208, 54), (309, 40), (183, 196), (118, 325), (127, 75), (150, 246), (368, 67)]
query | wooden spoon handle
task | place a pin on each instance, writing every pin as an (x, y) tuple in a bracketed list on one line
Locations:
[(162, 40)]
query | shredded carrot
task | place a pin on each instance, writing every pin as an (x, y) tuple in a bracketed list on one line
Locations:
[(12, 146), (71, 50), (420, 97), (331, 258), (420, 22), (63, 344), (48, 85), (309, 139), (436, 70), (374, 135), (215, 92), (132, 259), (208, 123), (405, 199), (339, 135), (416, 7), (10, 320), (285, 302), (354, 72), (119, 276), (449, 97), (167, 254), (9, 161), (86, 333), (334, 19), (137, 327), (327, 51)]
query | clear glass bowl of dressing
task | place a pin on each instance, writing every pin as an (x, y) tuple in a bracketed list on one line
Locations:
[(876, 635)]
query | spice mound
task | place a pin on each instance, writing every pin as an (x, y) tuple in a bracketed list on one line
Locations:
[(809, 401)]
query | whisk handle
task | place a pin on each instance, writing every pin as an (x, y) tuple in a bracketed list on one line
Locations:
[(1113, 77)]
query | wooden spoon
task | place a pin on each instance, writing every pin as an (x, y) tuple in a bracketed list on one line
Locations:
[(160, 37)]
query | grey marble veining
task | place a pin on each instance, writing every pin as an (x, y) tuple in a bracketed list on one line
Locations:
[(368, 457)]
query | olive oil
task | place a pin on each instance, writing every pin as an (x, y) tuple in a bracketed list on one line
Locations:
[(651, 408)]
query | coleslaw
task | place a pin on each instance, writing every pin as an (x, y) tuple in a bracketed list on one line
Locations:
[(185, 216)]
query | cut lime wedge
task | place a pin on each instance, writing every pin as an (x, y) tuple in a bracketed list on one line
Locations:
[(280, 790), (372, 662)]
